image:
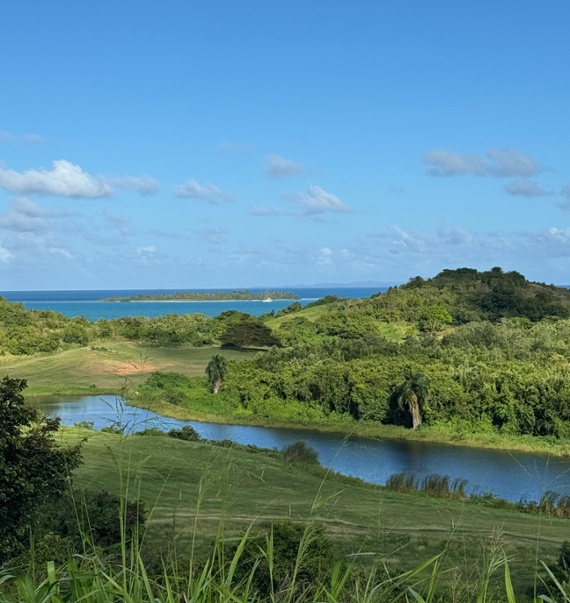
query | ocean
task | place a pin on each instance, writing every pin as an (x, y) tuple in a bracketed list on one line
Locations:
[(89, 305)]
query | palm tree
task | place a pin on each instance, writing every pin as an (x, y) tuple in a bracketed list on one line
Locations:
[(216, 371), (412, 393)]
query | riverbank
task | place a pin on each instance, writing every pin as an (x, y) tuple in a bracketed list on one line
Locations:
[(110, 369), (350, 428), (339, 425)]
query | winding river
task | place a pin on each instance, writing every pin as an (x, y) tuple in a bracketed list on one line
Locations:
[(509, 475)]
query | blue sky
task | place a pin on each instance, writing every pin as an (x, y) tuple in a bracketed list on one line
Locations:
[(225, 144)]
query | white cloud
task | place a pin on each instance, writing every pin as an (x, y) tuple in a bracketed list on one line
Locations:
[(499, 163), (523, 187), (325, 257), (144, 185), (262, 210), (317, 201), (5, 254), (279, 167), (208, 192), (25, 215), (65, 179), (146, 255), (10, 138)]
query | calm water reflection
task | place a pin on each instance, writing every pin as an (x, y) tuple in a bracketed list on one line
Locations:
[(511, 475)]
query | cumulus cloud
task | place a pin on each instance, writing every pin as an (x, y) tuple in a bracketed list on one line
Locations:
[(279, 167), (523, 187), (67, 179), (145, 255), (208, 192), (317, 201), (25, 215), (498, 163), (325, 257), (5, 254), (9, 138)]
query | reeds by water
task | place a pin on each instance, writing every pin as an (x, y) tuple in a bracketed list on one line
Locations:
[(433, 484)]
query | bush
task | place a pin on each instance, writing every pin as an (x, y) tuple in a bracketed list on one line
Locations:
[(150, 431), (93, 516), (300, 452), (186, 433), (302, 555)]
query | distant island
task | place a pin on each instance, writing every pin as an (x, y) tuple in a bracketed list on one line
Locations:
[(200, 296)]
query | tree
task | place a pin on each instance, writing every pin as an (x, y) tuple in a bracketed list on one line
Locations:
[(216, 371), (412, 393), (248, 333), (34, 470)]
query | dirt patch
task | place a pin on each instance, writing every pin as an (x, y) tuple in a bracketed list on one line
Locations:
[(128, 368)]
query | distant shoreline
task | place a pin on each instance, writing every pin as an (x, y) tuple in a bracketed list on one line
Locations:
[(206, 296), (203, 301)]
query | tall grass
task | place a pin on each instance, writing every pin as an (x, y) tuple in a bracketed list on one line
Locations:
[(90, 579), (433, 484), (247, 565)]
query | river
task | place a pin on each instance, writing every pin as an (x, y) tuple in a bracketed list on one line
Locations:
[(510, 475)]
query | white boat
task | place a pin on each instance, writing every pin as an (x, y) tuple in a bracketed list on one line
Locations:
[(267, 299)]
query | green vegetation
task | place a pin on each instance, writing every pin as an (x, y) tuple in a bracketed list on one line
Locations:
[(33, 470), (206, 296), (493, 347), (298, 515), (216, 371)]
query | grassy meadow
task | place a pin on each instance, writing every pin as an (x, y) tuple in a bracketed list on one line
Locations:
[(193, 488), (104, 368)]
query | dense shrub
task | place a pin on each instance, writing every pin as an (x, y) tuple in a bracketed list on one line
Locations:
[(301, 555), (300, 452), (187, 433)]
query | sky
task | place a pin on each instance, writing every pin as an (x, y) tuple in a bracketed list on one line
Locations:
[(190, 144)]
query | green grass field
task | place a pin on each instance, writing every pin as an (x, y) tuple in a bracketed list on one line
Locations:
[(191, 487), (103, 368)]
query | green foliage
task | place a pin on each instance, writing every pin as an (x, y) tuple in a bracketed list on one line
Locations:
[(216, 371), (434, 318), (150, 431), (166, 387), (33, 469), (324, 301), (290, 309), (186, 433), (564, 557), (248, 333), (291, 557), (302, 453), (85, 425), (95, 517), (412, 394)]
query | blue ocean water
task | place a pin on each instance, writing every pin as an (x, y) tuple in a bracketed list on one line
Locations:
[(88, 303)]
